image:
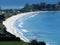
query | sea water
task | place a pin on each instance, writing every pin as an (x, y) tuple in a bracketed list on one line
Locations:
[(41, 27)]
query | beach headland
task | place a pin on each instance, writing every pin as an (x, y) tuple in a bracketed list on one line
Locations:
[(13, 30)]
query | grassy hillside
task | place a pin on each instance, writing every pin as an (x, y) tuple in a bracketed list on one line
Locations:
[(13, 43)]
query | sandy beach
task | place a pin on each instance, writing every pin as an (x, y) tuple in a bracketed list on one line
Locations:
[(13, 30)]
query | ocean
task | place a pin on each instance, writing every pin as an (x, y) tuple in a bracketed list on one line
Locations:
[(41, 27)]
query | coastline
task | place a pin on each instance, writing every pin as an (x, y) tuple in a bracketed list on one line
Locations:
[(13, 30)]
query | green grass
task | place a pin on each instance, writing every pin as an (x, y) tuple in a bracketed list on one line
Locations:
[(13, 43)]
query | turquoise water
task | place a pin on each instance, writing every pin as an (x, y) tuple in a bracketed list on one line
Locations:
[(42, 27)]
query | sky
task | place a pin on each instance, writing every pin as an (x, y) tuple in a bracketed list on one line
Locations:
[(21, 3)]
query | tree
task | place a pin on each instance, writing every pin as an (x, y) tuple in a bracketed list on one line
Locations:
[(0, 8), (41, 43), (49, 7), (35, 42), (27, 8), (58, 3), (54, 7), (42, 6), (27, 5)]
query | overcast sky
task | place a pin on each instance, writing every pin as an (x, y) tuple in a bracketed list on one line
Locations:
[(21, 3)]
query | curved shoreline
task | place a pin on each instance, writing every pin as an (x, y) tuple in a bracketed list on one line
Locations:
[(13, 30)]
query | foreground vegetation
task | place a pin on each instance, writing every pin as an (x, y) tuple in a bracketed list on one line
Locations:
[(13, 43), (33, 42)]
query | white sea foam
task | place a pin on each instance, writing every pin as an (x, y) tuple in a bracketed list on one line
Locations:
[(24, 30), (20, 24), (47, 44), (15, 31)]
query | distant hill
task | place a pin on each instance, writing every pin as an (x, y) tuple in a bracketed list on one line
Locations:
[(41, 7)]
